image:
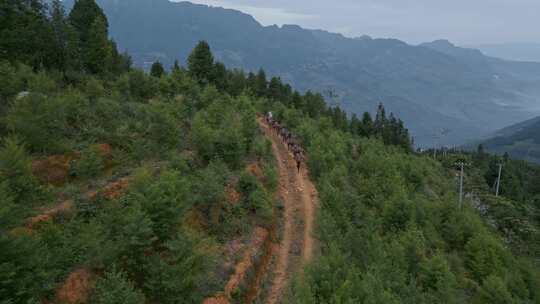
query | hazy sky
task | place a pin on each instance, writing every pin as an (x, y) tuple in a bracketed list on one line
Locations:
[(461, 21)]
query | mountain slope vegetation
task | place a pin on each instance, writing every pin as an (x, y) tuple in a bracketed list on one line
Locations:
[(121, 186), (391, 229), (471, 96), (521, 141)]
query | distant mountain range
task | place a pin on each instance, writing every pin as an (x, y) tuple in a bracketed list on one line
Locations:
[(432, 87)]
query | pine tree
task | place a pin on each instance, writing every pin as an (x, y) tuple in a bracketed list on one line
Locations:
[(98, 55), (59, 26), (297, 100), (26, 34), (236, 82), (220, 76), (480, 150), (15, 171), (176, 67), (355, 125), (367, 125), (201, 63), (275, 89), (261, 85), (157, 69), (82, 17), (73, 50), (120, 63), (380, 120), (115, 287), (506, 157), (251, 81)]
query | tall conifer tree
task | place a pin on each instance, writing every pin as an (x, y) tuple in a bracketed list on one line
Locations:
[(201, 63), (98, 54)]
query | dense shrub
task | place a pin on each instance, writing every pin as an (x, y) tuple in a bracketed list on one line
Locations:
[(16, 174), (115, 287), (90, 164)]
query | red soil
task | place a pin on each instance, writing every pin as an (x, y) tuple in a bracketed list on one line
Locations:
[(256, 170), (49, 214), (255, 247), (53, 169), (77, 288), (232, 195)]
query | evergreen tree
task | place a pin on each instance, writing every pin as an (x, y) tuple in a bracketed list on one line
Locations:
[(83, 16), (480, 150), (73, 60), (15, 171), (251, 82), (506, 157), (116, 288), (98, 55), (275, 89), (261, 85), (367, 125), (236, 82), (157, 69), (120, 62), (176, 67), (286, 93), (26, 34), (315, 105), (297, 100), (380, 120), (60, 29), (220, 76), (355, 125), (201, 63)]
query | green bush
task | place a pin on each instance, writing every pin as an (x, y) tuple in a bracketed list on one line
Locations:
[(141, 86), (40, 121), (90, 164), (10, 84), (255, 198), (224, 130), (43, 83), (165, 200), (485, 256), (177, 278), (94, 88), (16, 173), (8, 208), (494, 291), (116, 288)]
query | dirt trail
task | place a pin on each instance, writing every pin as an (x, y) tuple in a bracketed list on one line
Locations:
[(300, 201)]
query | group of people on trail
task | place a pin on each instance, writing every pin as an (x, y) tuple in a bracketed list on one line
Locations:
[(292, 141)]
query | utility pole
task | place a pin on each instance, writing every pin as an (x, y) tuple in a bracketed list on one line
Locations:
[(498, 180), (461, 165)]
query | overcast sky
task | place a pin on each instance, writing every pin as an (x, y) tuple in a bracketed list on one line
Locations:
[(465, 22)]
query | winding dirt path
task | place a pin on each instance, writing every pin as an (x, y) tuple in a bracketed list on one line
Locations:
[(300, 200)]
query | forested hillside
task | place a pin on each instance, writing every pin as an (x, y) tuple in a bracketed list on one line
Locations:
[(121, 186), (471, 96), (514, 208), (391, 230)]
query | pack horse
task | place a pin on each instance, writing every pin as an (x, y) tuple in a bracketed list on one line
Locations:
[(289, 139)]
